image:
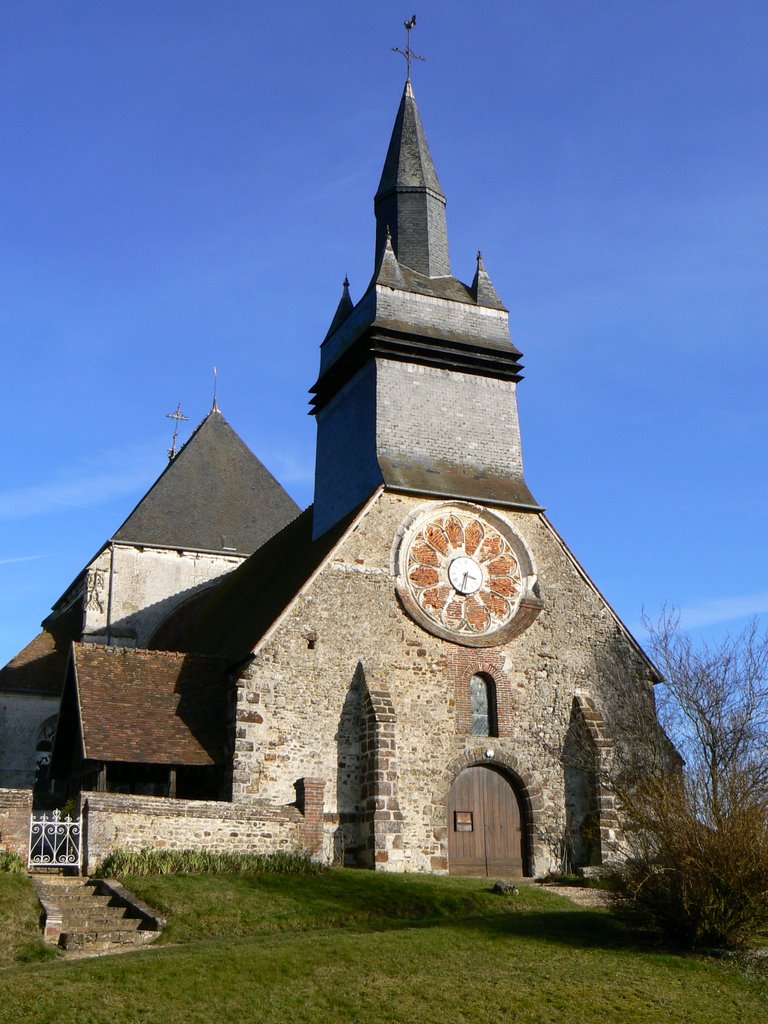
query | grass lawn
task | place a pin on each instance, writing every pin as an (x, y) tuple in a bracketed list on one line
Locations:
[(358, 947)]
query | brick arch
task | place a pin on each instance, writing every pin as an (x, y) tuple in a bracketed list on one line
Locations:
[(463, 663), (529, 793)]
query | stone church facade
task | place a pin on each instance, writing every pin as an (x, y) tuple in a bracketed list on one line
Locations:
[(348, 686), (414, 673)]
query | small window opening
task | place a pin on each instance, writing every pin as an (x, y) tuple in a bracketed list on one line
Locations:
[(482, 697)]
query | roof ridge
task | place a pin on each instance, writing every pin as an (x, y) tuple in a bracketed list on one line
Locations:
[(146, 652)]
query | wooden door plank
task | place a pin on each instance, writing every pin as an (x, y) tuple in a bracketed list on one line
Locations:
[(493, 845)]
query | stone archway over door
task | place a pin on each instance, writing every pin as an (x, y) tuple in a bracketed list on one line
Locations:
[(485, 833)]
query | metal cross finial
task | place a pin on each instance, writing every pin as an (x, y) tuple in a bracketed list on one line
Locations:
[(408, 52), (178, 416)]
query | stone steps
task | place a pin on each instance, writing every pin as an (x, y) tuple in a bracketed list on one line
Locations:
[(102, 940), (112, 918), (93, 916)]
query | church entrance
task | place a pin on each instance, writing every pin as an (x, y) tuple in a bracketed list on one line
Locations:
[(485, 835)]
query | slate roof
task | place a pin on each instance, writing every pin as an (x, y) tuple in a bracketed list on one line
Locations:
[(426, 474), (247, 601), (150, 707), (40, 666), (214, 496)]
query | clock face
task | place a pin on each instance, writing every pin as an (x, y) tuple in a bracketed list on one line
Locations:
[(463, 573)]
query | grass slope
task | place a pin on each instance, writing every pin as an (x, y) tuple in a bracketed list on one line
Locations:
[(356, 948), (20, 940)]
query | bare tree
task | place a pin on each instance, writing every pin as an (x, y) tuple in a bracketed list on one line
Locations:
[(698, 836), (714, 705)]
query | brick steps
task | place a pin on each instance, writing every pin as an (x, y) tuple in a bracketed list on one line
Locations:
[(82, 917)]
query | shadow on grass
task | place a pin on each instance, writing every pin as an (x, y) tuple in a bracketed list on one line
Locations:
[(584, 929), (366, 902)]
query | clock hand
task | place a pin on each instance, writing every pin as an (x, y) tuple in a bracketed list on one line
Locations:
[(464, 581)]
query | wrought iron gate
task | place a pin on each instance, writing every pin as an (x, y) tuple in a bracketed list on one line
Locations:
[(54, 842)]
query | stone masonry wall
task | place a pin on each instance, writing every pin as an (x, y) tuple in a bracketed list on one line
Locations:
[(302, 690), (15, 811), (114, 820), (148, 584)]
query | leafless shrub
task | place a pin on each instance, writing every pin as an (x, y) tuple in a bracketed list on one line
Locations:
[(698, 837)]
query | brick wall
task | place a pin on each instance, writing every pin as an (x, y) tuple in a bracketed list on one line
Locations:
[(401, 413), (15, 811), (455, 319), (449, 418), (461, 664)]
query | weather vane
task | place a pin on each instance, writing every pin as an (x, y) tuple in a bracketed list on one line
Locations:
[(408, 52), (178, 416)]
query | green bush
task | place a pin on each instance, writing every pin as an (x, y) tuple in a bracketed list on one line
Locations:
[(195, 862), (11, 863)]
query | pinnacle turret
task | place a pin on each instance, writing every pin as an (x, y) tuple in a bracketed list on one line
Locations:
[(344, 308), (482, 288), (388, 270)]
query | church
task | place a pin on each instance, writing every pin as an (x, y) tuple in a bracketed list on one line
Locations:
[(413, 674)]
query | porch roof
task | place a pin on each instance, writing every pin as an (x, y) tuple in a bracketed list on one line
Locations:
[(150, 707)]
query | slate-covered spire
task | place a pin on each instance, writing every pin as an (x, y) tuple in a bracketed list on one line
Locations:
[(409, 200)]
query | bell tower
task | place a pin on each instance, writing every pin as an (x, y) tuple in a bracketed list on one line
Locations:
[(417, 382)]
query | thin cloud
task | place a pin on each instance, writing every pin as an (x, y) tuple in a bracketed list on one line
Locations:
[(87, 487), (710, 612), (20, 558), (290, 469), (714, 610)]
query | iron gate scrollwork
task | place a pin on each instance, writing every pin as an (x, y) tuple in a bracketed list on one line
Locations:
[(54, 842)]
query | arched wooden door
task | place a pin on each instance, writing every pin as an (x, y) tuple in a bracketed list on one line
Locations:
[(485, 834)]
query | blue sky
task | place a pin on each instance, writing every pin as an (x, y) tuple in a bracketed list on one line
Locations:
[(185, 184)]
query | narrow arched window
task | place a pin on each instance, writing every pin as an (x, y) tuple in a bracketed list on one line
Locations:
[(482, 700)]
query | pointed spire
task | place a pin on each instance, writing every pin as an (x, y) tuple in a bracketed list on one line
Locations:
[(344, 308), (482, 288), (409, 199)]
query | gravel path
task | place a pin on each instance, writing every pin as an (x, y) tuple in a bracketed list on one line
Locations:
[(584, 897)]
